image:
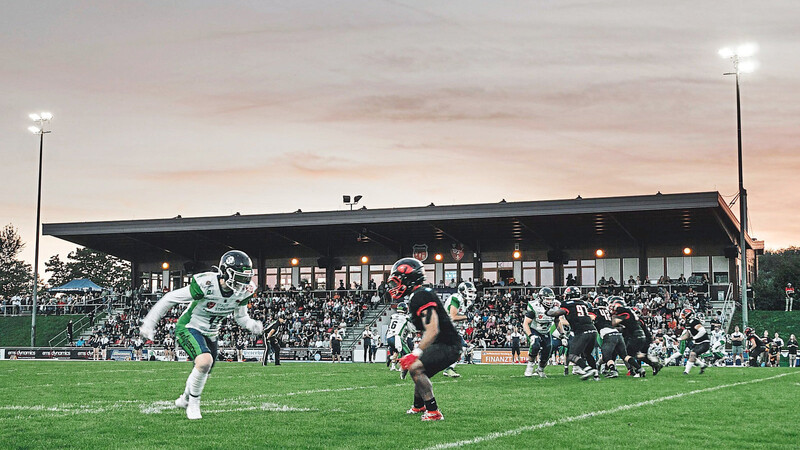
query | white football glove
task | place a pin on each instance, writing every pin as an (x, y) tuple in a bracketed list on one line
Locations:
[(258, 327), (147, 331)]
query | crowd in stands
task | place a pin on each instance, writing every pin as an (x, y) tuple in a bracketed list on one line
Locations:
[(309, 320)]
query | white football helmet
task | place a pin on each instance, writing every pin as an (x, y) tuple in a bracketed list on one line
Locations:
[(468, 291)]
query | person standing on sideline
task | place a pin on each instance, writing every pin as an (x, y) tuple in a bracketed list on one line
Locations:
[(336, 346), (789, 296), (791, 347), (737, 345), (69, 331), (376, 342), (271, 339), (367, 336)]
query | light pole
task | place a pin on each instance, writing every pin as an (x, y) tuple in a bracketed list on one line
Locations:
[(347, 201), (41, 120), (741, 65)]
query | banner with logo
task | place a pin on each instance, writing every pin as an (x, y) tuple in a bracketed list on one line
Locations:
[(47, 353), (500, 356), (421, 251)]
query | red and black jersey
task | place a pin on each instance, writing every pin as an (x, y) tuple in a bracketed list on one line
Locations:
[(602, 318), (579, 315), (423, 299), (789, 290), (754, 339), (629, 320), (646, 330)]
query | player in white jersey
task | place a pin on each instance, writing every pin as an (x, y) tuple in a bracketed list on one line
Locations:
[(537, 327), (456, 306), (211, 297), (399, 328)]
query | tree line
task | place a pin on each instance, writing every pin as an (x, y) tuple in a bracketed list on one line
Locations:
[(16, 276)]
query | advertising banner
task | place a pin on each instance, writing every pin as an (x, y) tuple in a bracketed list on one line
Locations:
[(48, 353), (121, 354), (501, 356)]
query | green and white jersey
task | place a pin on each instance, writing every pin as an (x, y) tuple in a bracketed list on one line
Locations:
[(398, 326), (206, 305), (458, 301), (541, 322)]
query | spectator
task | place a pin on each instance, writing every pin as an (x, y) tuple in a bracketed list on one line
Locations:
[(737, 342), (791, 346), (775, 350)]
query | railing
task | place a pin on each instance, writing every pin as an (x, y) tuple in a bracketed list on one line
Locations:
[(728, 307), (77, 327), (615, 289), (358, 336)]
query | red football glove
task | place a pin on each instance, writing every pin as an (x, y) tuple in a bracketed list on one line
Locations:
[(408, 360)]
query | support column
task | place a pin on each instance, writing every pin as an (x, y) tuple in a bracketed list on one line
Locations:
[(330, 278), (643, 267), (518, 271), (438, 273), (135, 275), (296, 276), (364, 276), (262, 273)]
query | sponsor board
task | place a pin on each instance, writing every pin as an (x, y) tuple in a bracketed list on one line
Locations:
[(500, 356), (121, 354), (48, 353)]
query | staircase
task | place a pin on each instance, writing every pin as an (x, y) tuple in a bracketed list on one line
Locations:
[(353, 335), (727, 306), (81, 327)]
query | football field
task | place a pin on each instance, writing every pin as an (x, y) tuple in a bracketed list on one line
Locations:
[(47, 404)]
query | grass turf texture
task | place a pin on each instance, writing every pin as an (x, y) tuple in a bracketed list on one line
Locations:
[(785, 323), (16, 331), (311, 405)]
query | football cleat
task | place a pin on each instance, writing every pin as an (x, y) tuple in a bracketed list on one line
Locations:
[(591, 373), (702, 369), (529, 370), (657, 368), (193, 409), (432, 415), (414, 410), (540, 372), (403, 374), (451, 373), (612, 374), (182, 401), (566, 370)]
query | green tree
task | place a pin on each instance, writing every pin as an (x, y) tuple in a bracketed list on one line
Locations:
[(103, 269), (57, 270), (775, 269), (16, 277)]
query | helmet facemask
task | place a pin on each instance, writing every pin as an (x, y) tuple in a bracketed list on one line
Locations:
[(238, 282), (396, 288)]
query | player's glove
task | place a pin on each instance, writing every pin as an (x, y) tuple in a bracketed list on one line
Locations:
[(408, 360), (147, 331)]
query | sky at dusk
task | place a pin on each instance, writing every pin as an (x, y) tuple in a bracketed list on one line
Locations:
[(208, 108)]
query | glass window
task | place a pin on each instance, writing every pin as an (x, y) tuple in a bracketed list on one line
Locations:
[(570, 271), (529, 275), (505, 265), (573, 263), (430, 273), (587, 263), (545, 264), (547, 276), (467, 271), (528, 264), (588, 276)]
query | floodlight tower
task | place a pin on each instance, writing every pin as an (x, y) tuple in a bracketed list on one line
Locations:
[(41, 120), (741, 65)]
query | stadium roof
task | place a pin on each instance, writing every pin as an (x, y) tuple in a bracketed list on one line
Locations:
[(652, 219)]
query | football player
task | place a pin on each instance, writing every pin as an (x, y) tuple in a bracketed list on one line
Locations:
[(210, 297), (755, 346), (651, 359), (613, 345), (695, 330), (440, 345), (579, 316), (635, 339), (456, 307), (396, 336), (537, 327)]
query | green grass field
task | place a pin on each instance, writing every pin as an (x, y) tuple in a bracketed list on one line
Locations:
[(785, 323), (317, 405), (16, 331)]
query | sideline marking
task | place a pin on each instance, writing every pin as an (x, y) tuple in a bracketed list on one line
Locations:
[(589, 415)]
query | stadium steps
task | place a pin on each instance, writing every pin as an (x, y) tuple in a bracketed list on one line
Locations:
[(353, 334)]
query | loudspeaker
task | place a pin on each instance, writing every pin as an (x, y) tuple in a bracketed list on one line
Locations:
[(329, 262), (557, 256), (732, 252)]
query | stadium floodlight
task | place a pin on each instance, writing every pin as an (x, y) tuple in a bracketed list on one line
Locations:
[(748, 66), (41, 120), (355, 200), (741, 66), (746, 50)]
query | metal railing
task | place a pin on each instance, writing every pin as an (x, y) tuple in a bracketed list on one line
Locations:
[(728, 307), (78, 326)]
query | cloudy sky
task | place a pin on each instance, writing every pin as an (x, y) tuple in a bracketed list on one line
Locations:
[(208, 108)]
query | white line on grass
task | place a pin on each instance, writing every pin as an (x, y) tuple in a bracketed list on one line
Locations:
[(589, 415)]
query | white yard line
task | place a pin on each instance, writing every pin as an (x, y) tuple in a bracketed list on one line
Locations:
[(589, 415)]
